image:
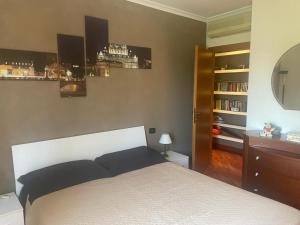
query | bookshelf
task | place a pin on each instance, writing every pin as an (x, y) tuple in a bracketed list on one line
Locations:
[(237, 93), (239, 52), (230, 112), (223, 137), (232, 71), (230, 93), (230, 126)]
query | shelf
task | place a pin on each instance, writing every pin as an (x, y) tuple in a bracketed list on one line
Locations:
[(238, 140), (232, 71), (240, 52), (230, 93), (230, 112), (229, 126)]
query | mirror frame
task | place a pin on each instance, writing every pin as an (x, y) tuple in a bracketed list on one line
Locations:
[(272, 79)]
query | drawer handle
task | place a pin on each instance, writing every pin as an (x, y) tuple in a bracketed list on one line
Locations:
[(257, 174), (255, 190), (257, 158)]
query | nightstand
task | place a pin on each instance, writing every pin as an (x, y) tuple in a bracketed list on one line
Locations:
[(11, 211), (178, 158)]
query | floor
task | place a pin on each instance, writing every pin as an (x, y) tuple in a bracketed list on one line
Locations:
[(226, 166)]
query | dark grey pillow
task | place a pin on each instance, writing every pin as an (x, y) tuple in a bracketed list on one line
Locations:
[(54, 178), (128, 160)]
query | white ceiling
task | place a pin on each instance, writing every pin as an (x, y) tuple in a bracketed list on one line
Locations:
[(201, 9)]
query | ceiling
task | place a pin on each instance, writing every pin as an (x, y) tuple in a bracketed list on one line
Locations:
[(196, 9)]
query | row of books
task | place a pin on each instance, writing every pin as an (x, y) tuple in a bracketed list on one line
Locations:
[(232, 86), (231, 105)]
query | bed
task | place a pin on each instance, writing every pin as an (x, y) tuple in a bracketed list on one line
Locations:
[(161, 193)]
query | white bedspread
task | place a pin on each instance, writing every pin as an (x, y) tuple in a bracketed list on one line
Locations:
[(158, 195)]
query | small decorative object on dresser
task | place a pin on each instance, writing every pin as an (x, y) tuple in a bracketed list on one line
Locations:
[(267, 130), (180, 159), (271, 168), (165, 140), (270, 130), (11, 211)]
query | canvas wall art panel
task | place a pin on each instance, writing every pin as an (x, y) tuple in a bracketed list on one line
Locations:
[(71, 57), (73, 88), (96, 38), (126, 56), (71, 65), (101, 55), (28, 65)]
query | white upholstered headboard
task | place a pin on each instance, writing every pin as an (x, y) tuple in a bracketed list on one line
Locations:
[(33, 156)]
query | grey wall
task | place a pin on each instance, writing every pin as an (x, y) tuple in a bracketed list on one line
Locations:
[(162, 97)]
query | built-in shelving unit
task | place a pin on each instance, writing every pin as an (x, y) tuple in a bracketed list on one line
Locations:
[(240, 52), (232, 71), (230, 112), (238, 140), (230, 95), (229, 126)]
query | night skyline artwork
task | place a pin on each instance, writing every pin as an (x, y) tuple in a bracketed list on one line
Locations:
[(74, 61), (96, 39), (28, 65), (71, 65), (101, 55)]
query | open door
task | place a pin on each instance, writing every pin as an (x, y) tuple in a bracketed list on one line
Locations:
[(203, 108)]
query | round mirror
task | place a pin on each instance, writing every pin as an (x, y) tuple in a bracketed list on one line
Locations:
[(286, 79)]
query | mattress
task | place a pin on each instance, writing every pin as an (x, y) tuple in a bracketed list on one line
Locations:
[(158, 195)]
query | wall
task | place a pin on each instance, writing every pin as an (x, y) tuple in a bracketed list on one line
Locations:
[(274, 30), (238, 21), (229, 39), (162, 97)]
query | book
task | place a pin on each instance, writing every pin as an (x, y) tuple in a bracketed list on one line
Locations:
[(293, 136), (231, 105), (231, 86)]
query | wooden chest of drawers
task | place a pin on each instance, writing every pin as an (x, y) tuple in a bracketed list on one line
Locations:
[(272, 168)]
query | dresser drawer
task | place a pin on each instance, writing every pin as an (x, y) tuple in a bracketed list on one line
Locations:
[(275, 186), (274, 175), (275, 161)]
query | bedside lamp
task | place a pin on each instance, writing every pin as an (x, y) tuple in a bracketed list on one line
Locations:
[(165, 140)]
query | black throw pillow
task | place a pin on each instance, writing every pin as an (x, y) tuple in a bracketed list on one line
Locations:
[(128, 160), (54, 178)]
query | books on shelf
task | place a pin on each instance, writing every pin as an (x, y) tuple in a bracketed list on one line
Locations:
[(293, 136), (232, 86), (230, 105)]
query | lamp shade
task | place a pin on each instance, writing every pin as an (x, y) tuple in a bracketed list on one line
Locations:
[(165, 139)]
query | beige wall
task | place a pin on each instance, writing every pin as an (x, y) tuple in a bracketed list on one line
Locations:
[(238, 20), (275, 29), (228, 40), (162, 97)]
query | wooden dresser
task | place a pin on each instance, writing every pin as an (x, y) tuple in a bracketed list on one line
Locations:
[(272, 168)]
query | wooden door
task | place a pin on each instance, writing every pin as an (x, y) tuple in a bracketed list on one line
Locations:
[(203, 108)]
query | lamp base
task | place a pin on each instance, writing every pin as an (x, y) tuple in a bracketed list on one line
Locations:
[(165, 154)]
